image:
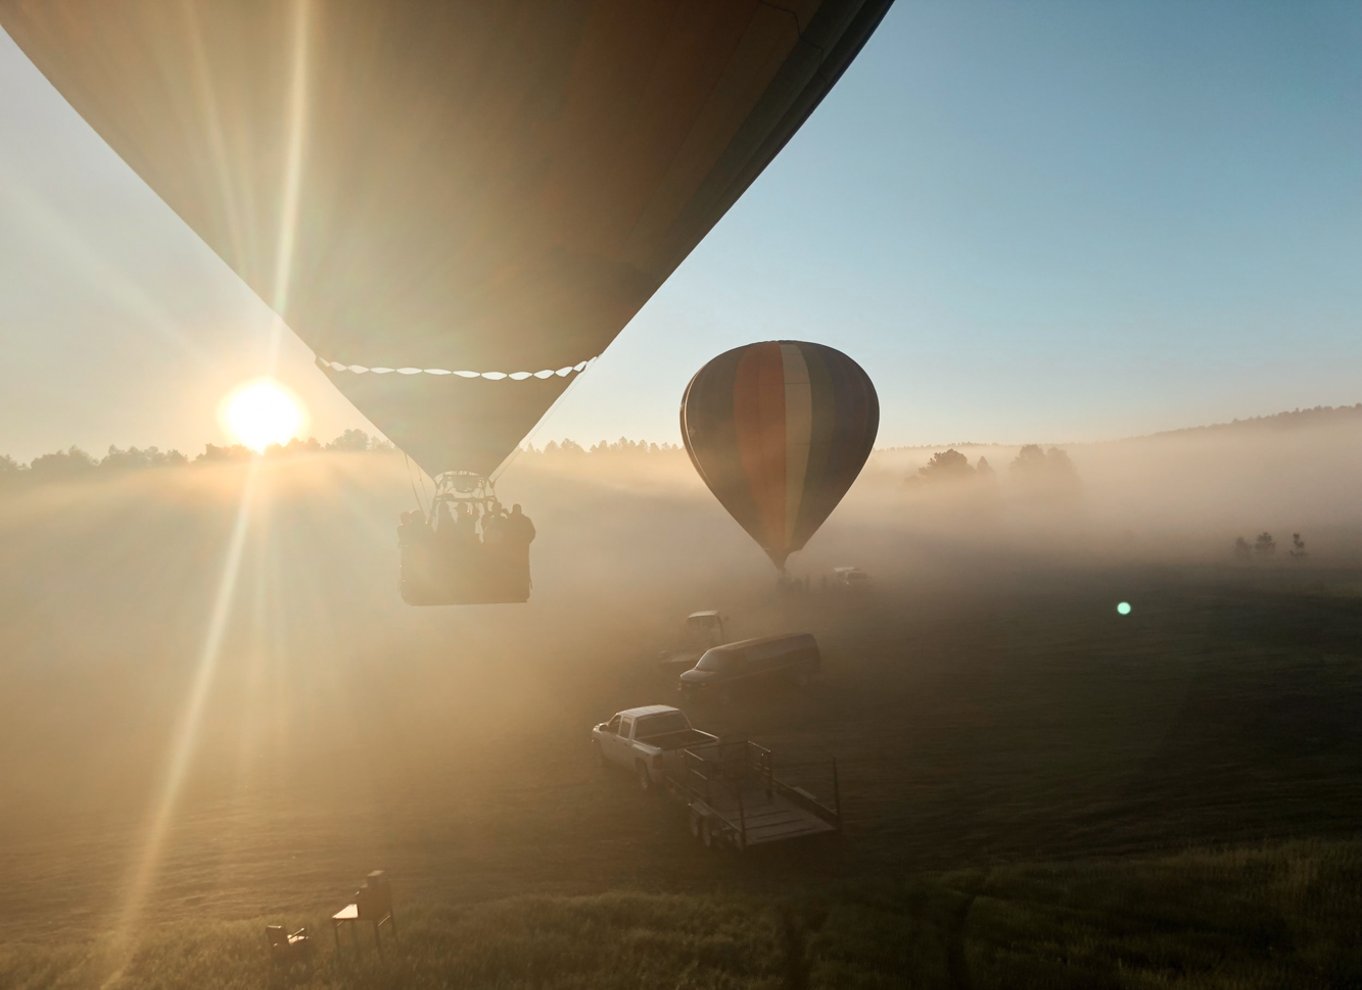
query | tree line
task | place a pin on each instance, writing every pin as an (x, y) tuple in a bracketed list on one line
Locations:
[(1035, 469), (613, 448), (73, 462)]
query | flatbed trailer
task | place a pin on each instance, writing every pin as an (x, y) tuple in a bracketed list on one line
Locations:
[(734, 797)]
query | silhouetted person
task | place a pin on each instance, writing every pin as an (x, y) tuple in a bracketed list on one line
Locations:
[(493, 526), (420, 570), (519, 534), (467, 527), (519, 527), (413, 529), (445, 526), (498, 558)]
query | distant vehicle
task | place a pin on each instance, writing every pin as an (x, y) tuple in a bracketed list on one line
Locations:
[(729, 788), (850, 577), (748, 663), (700, 631), (647, 741)]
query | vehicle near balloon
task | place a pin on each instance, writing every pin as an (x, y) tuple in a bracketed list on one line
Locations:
[(457, 206), (778, 431), (749, 665), (850, 578), (647, 741), (730, 789), (699, 632)]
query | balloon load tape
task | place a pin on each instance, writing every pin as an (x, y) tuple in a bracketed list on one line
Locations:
[(496, 376)]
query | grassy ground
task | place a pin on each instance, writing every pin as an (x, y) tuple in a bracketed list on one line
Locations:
[(1270, 916)]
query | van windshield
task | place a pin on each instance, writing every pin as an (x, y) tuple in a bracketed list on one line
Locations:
[(718, 660)]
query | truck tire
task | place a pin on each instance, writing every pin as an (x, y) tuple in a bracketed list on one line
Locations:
[(645, 779)]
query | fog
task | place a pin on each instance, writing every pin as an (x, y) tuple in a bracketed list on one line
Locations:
[(225, 643), (1178, 497)]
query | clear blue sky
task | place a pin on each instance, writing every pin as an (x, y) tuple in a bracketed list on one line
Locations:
[(1028, 221)]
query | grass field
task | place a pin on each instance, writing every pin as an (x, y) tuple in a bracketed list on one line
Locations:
[(1274, 915), (1037, 791)]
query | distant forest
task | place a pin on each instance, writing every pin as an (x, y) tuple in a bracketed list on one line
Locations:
[(1294, 420), (1033, 460), (74, 463)]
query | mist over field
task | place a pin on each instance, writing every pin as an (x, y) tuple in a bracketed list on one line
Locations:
[(217, 702), (1181, 496), (114, 583)]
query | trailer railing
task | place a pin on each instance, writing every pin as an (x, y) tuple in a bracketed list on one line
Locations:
[(713, 772)]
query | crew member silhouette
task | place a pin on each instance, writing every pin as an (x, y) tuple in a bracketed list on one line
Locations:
[(519, 535)]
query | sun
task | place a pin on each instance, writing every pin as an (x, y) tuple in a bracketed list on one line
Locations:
[(261, 412)]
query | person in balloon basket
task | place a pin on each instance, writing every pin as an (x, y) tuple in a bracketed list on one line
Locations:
[(519, 534), (466, 527), (413, 530), (494, 527), (415, 539), (445, 526), (497, 567)]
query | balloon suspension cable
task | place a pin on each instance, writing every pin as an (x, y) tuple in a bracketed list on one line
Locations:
[(529, 437), (464, 487)]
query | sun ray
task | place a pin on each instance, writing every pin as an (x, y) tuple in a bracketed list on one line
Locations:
[(293, 176), (124, 940), (25, 206)]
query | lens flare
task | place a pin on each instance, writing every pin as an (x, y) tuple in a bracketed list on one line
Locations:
[(262, 412), (1123, 608)]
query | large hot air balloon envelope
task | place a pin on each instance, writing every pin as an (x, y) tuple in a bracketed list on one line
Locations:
[(778, 431), (455, 204)]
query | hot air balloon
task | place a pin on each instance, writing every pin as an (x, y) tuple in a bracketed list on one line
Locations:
[(458, 206), (778, 431)]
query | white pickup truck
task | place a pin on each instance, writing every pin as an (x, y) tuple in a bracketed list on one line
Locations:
[(650, 741), (730, 789)]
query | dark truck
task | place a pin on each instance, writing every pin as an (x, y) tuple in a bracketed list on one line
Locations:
[(726, 670), (699, 632)]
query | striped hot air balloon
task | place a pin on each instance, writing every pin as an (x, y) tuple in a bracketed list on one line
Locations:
[(778, 431)]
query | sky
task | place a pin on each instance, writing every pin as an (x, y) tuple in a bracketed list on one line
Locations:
[(1043, 222)]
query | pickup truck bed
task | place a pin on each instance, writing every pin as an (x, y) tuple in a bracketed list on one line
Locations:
[(678, 740)]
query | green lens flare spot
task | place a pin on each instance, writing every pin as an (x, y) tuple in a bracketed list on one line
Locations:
[(1123, 608)]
